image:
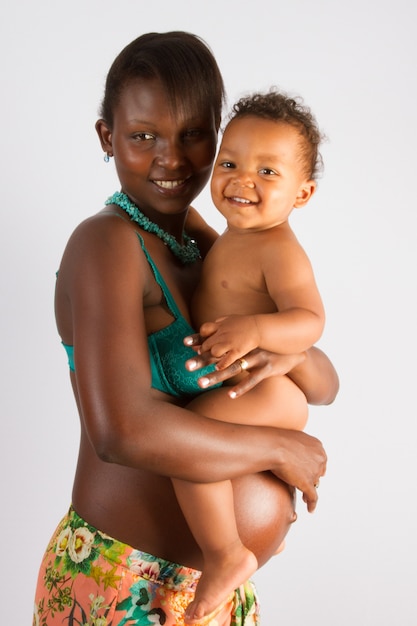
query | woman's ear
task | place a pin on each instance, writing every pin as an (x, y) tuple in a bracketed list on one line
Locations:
[(105, 135), (304, 193)]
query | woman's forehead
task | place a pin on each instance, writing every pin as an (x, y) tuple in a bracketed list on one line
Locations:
[(152, 98)]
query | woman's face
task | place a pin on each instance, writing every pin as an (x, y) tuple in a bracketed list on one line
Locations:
[(163, 158)]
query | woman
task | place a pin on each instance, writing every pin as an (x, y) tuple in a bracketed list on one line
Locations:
[(122, 297)]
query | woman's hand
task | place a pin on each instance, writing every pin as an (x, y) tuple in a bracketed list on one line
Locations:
[(259, 364), (312, 371), (302, 464)]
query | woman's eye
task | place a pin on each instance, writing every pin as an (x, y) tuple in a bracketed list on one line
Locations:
[(192, 133), (143, 137)]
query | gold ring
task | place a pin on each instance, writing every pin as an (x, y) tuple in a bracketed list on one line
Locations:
[(243, 364)]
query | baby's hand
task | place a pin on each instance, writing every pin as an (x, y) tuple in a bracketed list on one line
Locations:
[(229, 338)]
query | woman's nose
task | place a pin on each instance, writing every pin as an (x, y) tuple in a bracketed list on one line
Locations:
[(170, 155)]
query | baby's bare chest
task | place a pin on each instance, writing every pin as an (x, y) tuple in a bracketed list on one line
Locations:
[(234, 281)]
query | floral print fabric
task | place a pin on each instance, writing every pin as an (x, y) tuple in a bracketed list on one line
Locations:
[(90, 579)]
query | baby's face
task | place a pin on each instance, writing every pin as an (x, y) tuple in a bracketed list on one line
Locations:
[(259, 174)]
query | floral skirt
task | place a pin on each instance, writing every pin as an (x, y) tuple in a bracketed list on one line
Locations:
[(89, 579)]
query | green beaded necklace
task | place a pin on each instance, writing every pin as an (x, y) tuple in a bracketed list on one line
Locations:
[(187, 253)]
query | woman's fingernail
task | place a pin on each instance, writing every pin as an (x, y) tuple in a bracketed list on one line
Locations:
[(232, 394), (203, 382), (191, 364), (188, 341)]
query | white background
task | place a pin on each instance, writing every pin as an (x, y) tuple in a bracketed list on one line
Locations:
[(354, 560)]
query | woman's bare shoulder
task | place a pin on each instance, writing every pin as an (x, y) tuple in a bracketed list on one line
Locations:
[(101, 239)]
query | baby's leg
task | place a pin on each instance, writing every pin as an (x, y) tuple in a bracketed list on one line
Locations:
[(227, 563), (273, 402), (209, 509), (276, 401)]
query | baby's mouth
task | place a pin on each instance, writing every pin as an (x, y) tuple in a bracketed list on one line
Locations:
[(239, 200)]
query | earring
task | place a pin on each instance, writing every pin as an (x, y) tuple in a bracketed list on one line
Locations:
[(106, 157)]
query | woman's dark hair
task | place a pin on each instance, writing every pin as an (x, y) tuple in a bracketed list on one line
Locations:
[(182, 62), (279, 107)]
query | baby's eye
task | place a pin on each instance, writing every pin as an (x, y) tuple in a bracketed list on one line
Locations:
[(227, 164), (267, 171)]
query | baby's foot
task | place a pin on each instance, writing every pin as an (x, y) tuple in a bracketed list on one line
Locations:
[(222, 574)]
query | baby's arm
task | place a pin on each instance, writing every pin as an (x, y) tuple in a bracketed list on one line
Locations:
[(294, 328)]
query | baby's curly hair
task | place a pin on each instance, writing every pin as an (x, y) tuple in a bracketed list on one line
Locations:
[(279, 107)]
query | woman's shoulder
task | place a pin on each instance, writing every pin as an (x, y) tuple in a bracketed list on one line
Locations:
[(104, 240), (102, 222), (105, 229)]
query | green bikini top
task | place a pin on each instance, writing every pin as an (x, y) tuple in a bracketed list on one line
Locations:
[(166, 348)]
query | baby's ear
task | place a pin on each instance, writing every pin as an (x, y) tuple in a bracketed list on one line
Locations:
[(304, 193)]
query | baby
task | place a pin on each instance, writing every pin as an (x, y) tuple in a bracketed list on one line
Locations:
[(257, 290)]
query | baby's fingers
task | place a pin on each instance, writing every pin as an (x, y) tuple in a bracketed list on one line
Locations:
[(208, 328)]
